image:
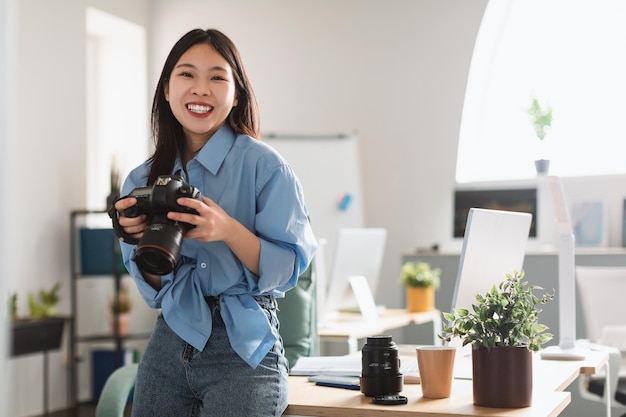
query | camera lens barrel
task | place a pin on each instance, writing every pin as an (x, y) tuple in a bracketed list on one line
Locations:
[(380, 374), (159, 247)]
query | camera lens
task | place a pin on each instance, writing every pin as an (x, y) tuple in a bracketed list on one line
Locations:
[(380, 374), (158, 248)]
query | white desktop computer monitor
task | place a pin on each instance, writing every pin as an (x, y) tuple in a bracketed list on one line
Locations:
[(358, 253), (494, 244)]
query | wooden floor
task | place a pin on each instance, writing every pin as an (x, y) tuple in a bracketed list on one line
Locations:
[(84, 410)]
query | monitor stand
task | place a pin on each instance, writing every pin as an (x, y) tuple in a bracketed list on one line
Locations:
[(364, 297), (365, 304)]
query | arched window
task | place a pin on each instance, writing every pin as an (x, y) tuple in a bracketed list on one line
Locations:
[(570, 55)]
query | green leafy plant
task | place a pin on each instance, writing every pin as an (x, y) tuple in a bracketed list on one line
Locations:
[(507, 315), (420, 274), (13, 306), (541, 117), (45, 305)]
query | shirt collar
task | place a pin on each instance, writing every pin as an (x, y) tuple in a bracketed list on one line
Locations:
[(213, 153)]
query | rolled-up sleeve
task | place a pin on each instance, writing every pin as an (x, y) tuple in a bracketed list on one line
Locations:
[(282, 214)]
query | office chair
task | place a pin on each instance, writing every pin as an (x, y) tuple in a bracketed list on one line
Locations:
[(117, 388), (601, 291)]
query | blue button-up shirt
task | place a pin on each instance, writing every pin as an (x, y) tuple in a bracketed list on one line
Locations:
[(253, 184)]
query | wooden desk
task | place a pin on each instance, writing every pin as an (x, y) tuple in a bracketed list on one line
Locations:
[(350, 327), (549, 379)]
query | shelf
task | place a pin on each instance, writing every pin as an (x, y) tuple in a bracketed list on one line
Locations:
[(95, 253), (107, 337), (40, 335)]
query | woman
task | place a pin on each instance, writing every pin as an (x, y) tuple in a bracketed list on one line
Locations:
[(215, 349)]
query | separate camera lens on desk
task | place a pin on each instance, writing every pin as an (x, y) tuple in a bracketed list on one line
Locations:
[(380, 374)]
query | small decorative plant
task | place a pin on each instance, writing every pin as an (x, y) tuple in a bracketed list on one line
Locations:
[(13, 306), (541, 117), (420, 274), (507, 315), (46, 304)]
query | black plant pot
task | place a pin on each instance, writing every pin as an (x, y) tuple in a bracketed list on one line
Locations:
[(502, 376), (30, 336)]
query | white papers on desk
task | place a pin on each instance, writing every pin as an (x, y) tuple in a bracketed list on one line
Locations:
[(350, 365), (410, 371), (346, 366), (327, 365)]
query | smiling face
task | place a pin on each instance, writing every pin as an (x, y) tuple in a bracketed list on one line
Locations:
[(201, 93)]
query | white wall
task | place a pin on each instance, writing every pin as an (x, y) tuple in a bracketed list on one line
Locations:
[(45, 179), (6, 145)]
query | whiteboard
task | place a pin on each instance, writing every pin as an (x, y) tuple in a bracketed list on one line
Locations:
[(328, 168)]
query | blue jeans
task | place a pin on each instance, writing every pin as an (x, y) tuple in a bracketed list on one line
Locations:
[(177, 380)]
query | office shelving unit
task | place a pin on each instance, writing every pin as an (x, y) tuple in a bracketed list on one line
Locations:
[(94, 252)]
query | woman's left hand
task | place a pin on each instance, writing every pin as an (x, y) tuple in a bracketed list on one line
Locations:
[(212, 222)]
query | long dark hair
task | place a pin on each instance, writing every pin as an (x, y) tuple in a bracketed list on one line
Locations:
[(167, 132)]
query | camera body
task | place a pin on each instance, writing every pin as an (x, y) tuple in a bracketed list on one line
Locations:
[(159, 198), (158, 249)]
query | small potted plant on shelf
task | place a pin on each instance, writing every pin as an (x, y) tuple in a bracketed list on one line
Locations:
[(120, 307), (42, 329), (420, 281), (503, 331), (46, 304), (541, 118)]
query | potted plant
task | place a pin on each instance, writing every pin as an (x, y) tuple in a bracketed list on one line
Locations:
[(119, 308), (503, 331), (42, 329), (46, 304), (420, 281), (541, 118)]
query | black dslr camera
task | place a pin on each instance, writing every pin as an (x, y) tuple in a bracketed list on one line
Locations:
[(158, 249)]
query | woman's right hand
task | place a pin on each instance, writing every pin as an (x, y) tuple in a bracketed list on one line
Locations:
[(133, 226)]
